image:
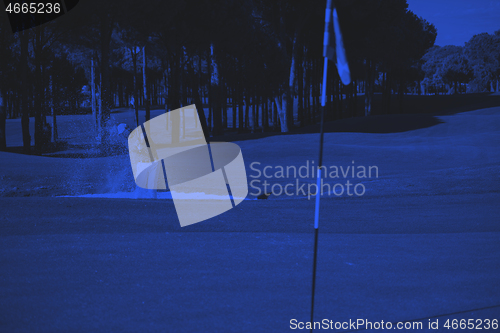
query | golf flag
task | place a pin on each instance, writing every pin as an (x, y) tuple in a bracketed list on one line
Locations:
[(333, 45), (333, 49)]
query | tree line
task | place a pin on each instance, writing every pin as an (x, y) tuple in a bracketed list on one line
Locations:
[(474, 67), (248, 62)]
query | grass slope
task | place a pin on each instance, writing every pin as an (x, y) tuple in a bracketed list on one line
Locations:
[(422, 242)]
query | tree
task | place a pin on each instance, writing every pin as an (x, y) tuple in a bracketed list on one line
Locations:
[(456, 70), (433, 62), (6, 71), (283, 21), (483, 53)]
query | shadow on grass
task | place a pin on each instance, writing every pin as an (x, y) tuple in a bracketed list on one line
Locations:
[(371, 124), (419, 112), (441, 105)]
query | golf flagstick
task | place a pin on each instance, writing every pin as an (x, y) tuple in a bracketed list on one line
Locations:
[(337, 54)]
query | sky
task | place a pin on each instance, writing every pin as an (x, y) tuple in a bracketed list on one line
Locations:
[(458, 20)]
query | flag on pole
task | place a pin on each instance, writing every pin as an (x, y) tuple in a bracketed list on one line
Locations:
[(333, 45), (333, 49)]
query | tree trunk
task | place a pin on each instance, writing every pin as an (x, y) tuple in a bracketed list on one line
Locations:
[(216, 94), (275, 115), (92, 91), (307, 93), (3, 95), (288, 94), (235, 106), (257, 110), (210, 93), (240, 100), (254, 114), (133, 53), (265, 114), (106, 29), (165, 89), (175, 94), (55, 135), (300, 87), (99, 111), (389, 92), (195, 81), (368, 88), (340, 98), (25, 117), (334, 96), (402, 88), (182, 80), (386, 91), (9, 101), (282, 112), (18, 105), (354, 85), (38, 91), (120, 90), (3, 111), (319, 78), (247, 109), (145, 84), (313, 92), (224, 104)]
